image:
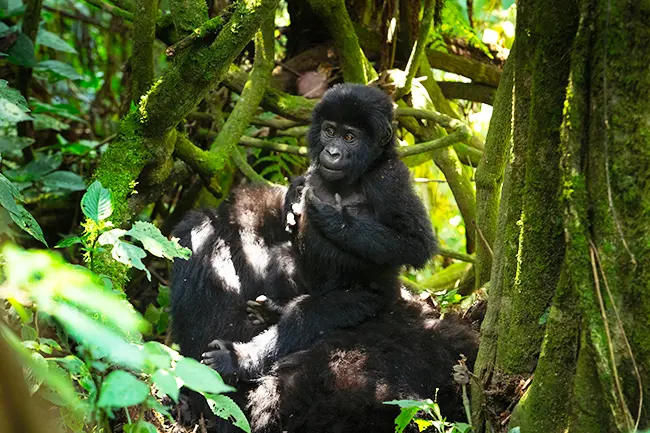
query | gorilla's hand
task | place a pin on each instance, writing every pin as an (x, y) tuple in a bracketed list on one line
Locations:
[(221, 357), (263, 311)]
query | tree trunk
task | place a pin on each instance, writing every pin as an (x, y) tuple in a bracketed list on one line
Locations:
[(590, 183)]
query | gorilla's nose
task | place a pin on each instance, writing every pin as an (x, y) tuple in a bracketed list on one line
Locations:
[(334, 154)]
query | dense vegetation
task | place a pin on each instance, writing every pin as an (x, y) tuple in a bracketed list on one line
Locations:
[(117, 117)]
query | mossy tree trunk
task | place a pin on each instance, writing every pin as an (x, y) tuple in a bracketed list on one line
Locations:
[(142, 152), (570, 277)]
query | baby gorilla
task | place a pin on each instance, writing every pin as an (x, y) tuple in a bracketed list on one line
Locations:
[(361, 222)]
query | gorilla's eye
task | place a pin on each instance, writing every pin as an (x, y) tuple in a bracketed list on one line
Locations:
[(329, 131), (348, 137)]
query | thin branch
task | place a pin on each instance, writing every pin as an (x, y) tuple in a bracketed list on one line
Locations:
[(443, 120), (269, 145), (468, 91), (113, 10), (247, 170), (439, 143), (418, 48), (456, 255), (205, 164), (77, 16)]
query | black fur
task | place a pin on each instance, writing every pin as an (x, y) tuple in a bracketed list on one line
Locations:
[(340, 384), (239, 251), (361, 222)]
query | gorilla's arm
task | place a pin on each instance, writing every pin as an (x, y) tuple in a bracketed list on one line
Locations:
[(306, 319), (398, 230)]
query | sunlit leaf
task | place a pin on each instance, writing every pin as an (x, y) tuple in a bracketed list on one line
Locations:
[(166, 383), (130, 255), (200, 377), (58, 68), (53, 41), (227, 409), (154, 242), (12, 95), (122, 389), (19, 215), (12, 113), (96, 202)]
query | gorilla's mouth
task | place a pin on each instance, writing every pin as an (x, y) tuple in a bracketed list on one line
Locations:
[(331, 172)]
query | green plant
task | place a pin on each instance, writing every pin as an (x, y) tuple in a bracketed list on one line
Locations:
[(409, 410)]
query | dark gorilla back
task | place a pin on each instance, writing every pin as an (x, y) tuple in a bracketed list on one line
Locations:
[(239, 251), (340, 384)]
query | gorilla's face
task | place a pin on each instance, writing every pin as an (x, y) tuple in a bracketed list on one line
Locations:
[(345, 150)]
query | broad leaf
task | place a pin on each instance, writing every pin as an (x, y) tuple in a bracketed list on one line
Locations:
[(130, 255), (36, 169), (43, 121), (59, 68), (96, 202), (12, 95), (19, 215), (22, 52), (166, 383), (140, 426), (11, 143), (64, 180), (154, 242), (122, 389), (227, 409), (53, 41), (12, 113), (200, 377), (110, 237)]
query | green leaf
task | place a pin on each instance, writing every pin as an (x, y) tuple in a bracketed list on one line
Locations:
[(36, 169), (404, 418), (19, 215), (110, 237), (53, 41), (160, 355), (140, 426), (64, 243), (59, 69), (166, 383), (226, 408), (122, 389), (64, 180), (22, 52), (43, 121), (11, 143), (200, 377), (128, 254), (154, 242), (96, 202), (12, 113), (12, 95), (34, 380)]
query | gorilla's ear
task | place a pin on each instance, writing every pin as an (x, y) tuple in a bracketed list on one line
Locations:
[(385, 133)]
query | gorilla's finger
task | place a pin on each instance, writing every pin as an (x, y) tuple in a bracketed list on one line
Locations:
[(218, 345)]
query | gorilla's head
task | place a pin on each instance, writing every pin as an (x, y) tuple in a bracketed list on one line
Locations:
[(351, 128)]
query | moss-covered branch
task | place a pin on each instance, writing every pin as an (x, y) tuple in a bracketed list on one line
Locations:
[(208, 28), (204, 163), (413, 64), (356, 68), (252, 94), (443, 120), (479, 72), (144, 33), (489, 174), (269, 145), (292, 107), (468, 91), (438, 143), (146, 137), (113, 10), (188, 15)]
